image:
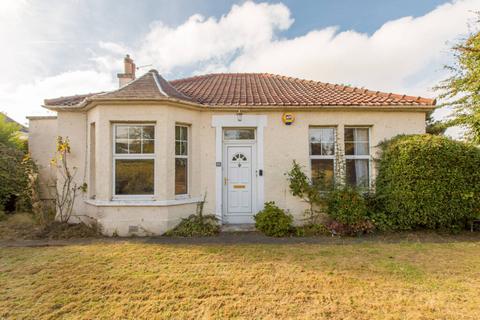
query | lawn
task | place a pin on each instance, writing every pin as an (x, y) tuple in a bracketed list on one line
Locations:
[(343, 280)]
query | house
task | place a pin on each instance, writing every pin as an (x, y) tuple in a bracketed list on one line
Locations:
[(150, 150)]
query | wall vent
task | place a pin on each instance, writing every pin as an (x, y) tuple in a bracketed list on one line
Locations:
[(132, 229)]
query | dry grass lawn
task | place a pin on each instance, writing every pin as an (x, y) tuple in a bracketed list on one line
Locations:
[(135, 280)]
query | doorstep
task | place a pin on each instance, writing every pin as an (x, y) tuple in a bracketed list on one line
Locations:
[(241, 227)]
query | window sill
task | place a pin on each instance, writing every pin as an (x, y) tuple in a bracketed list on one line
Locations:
[(142, 203)]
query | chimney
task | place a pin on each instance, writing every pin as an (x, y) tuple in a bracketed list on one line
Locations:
[(129, 72)]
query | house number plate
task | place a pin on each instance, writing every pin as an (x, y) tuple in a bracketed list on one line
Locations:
[(238, 186)]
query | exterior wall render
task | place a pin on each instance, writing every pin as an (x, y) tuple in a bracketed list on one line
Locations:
[(41, 145)]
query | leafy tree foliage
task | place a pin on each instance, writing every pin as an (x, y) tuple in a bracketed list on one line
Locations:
[(15, 168), (462, 89), (9, 134)]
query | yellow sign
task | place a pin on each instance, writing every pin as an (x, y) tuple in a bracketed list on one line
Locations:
[(288, 118), (238, 186)]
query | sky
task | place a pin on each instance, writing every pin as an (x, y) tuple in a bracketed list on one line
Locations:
[(63, 47)]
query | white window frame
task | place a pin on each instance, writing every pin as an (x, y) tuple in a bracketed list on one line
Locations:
[(360, 157), (323, 157), (130, 156), (186, 194)]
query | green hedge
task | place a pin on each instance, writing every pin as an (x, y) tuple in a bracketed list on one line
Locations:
[(13, 176), (427, 181)]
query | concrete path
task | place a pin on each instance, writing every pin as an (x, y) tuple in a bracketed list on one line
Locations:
[(234, 238)]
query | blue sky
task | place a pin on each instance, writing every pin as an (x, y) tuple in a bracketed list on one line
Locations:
[(63, 47)]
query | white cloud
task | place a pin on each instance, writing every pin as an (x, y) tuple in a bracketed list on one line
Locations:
[(200, 39), (404, 55), (27, 98)]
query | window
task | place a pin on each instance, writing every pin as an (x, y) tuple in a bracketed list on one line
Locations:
[(357, 156), (181, 160), (92, 161), (134, 159), (322, 155), (239, 134)]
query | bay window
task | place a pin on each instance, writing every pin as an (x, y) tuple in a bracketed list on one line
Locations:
[(181, 160), (322, 155), (357, 156), (134, 159)]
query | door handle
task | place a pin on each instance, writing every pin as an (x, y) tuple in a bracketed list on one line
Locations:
[(225, 181)]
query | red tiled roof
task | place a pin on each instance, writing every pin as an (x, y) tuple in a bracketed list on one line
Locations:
[(247, 89), (263, 89)]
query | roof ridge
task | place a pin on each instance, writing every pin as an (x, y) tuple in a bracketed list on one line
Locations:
[(155, 75), (123, 87)]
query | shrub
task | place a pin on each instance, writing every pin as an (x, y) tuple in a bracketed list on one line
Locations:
[(312, 191), (376, 212), (273, 221), (196, 226), (348, 209), (346, 205), (428, 181)]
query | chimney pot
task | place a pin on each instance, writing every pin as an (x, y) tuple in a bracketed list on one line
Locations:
[(128, 74)]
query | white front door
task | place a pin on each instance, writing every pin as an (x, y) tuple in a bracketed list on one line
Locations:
[(238, 186)]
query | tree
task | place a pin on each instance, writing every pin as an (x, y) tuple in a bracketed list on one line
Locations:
[(435, 127), (14, 178), (462, 89), (9, 133)]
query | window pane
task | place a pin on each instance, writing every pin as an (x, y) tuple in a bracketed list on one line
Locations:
[(121, 146), (322, 141), (349, 148), (181, 148), (181, 133), (134, 177), (181, 171), (148, 132), (323, 169), (134, 132), (349, 134), (148, 146), (328, 149), (184, 148), (361, 134), (177, 133), (357, 172), (177, 148), (239, 134), (315, 142), (328, 135), (121, 132), (356, 141), (361, 148), (135, 146)]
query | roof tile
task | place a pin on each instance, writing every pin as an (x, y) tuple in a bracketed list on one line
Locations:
[(247, 89)]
